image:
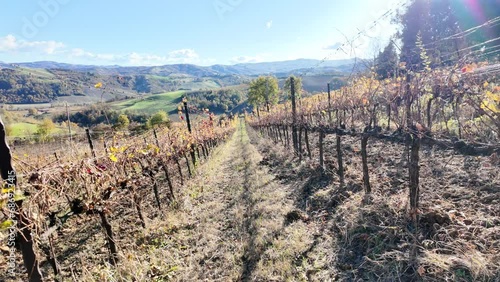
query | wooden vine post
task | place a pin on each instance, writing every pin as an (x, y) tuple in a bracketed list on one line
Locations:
[(24, 236), (414, 171), (188, 121), (308, 147), (294, 117), (340, 162), (364, 157), (329, 104), (321, 150), (413, 142), (91, 145), (109, 236)]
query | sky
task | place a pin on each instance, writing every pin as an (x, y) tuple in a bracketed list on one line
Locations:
[(202, 32)]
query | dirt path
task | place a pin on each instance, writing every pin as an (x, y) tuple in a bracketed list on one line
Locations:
[(239, 212)]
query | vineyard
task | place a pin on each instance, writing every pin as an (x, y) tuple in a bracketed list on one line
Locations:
[(371, 164), (423, 150), (393, 179), (89, 182)]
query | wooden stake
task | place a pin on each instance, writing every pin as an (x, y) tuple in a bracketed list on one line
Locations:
[(91, 145)]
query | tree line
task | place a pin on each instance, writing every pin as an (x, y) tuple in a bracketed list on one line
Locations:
[(438, 33)]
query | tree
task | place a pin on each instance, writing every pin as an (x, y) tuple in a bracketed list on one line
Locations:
[(44, 129), (287, 88), (386, 62), (159, 119), (263, 90), (122, 122), (433, 21)]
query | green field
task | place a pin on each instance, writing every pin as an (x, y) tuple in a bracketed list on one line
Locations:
[(23, 129), (167, 102)]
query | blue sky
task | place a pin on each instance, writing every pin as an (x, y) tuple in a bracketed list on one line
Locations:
[(203, 32)]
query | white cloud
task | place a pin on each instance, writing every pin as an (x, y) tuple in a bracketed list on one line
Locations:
[(269, 24), (80, 53), (10, 44), (60, 52), (183, 56), (248, 59), (333, 46)]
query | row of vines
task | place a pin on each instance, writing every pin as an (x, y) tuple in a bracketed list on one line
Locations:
[(37, 201), (452, 108)]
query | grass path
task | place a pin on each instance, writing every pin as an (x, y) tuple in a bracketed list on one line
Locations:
[(230, 225), (239, 213)]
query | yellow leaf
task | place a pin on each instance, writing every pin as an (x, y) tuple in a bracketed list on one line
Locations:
[(488, 105), (485, 84), (19, 196), (113, 158), (6, 224), (98, 85), (7, 190), (493, 96)]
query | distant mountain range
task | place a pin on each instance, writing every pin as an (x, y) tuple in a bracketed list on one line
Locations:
[(283, 68), (46, 82)]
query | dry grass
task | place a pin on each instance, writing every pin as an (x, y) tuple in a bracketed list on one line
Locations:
[(457, 235), (254, 213), (228, 224)]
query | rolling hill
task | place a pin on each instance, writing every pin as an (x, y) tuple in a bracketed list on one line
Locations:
[(246, 69), (47, 82)]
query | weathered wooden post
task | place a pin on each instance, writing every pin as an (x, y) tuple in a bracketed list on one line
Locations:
[(91, 145), (329, 104), (294, 117), (23, 235), (321, 150), (186, 110)]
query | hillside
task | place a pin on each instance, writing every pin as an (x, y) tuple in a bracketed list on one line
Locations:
[(21, 85), (246, 69), (218, 101), (47, 82)]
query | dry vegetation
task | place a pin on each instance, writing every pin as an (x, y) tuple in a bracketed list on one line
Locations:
[(457, 237), (72, 198), (253, 212)]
